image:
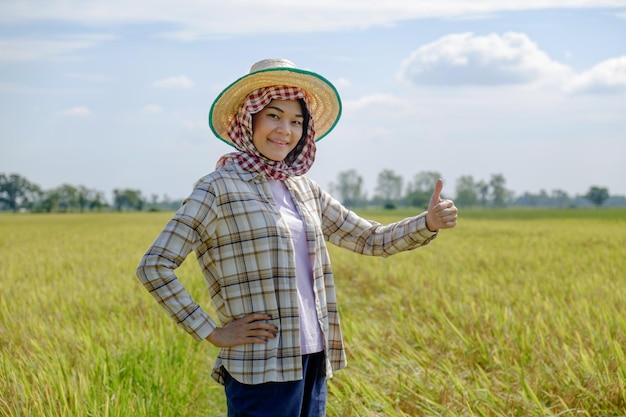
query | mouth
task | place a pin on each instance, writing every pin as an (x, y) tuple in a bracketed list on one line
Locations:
[(278, 142)]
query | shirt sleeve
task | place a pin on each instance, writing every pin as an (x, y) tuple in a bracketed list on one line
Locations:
[(156, 270), (346, 229)]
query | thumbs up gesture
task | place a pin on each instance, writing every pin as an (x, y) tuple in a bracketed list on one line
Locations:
[(442, 214)]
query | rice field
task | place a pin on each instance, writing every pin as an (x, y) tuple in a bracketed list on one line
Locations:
[(513, 313)]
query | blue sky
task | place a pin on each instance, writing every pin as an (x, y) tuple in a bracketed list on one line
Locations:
[(115, 94)]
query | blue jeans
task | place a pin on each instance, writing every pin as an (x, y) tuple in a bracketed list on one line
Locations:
[(304, 398)]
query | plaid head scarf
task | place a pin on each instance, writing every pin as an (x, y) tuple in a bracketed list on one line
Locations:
[(299, 160)]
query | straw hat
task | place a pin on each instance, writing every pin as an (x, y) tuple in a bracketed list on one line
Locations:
[(323, 98)]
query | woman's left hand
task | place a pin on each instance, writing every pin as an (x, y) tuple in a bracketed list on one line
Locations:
[(442, 214)]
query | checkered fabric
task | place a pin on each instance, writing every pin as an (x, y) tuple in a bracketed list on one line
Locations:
[(246, 255), (298, 162)]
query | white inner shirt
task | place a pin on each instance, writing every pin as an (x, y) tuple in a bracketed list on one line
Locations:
[(311, 340)]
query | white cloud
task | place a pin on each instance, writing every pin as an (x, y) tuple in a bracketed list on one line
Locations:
[(465, 59), (174, 83), (606, 77), (31, 49), (79, 111), (197, 19)]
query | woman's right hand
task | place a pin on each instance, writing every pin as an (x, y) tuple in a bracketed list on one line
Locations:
[(250, 329)]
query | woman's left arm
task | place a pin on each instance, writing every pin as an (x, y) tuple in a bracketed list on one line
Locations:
[(346, 229)]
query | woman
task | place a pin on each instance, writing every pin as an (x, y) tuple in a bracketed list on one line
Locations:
[(259, 229)]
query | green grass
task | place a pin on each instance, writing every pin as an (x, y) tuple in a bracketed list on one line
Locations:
[(513, 313)]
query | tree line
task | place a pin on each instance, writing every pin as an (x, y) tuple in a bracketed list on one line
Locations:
[(391, 191), (19, 194)]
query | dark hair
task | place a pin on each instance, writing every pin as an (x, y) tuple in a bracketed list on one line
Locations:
[(305, 130), (307, 118)]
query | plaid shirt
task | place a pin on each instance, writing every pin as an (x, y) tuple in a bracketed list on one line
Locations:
[(247, 258)]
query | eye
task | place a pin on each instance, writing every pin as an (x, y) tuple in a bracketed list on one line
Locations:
[(297, 122)]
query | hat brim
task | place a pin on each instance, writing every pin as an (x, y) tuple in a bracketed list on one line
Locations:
[(323, 98)]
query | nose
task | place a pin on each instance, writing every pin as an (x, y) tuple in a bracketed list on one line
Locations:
[(283, 127)]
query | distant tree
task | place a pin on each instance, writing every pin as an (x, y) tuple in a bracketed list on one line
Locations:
[(67, 198), (49, 201), (14, 190), (420, 189), (97, 200), (560, 198), (154, 202), (389, 188), (556, 198), (168, 204), (425, 181), (467, 191), (597, 195), (532, 200), (349, 188), (500, 195), (33, 197), (83, 197), (417, 198), (128, 199), (483, 190)]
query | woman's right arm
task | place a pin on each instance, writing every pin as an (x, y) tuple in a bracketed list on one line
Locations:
[(156, 270)]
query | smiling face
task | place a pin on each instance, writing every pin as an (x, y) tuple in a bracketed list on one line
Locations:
[(277, 128)]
